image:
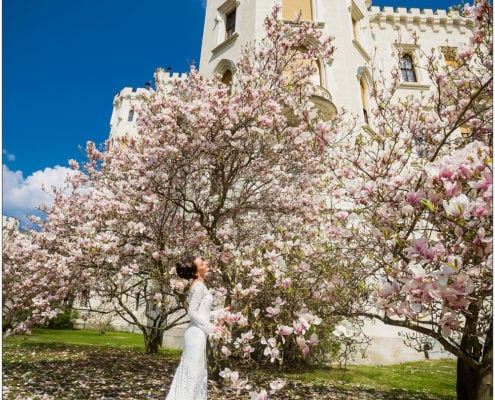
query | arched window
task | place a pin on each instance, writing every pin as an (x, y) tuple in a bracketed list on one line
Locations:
[(406, 65), (290, 8), (130, 116), (302, 60), (226, 70), (227, 77)]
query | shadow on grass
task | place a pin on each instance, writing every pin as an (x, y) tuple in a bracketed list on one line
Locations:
[(59, 371), (83, 372)]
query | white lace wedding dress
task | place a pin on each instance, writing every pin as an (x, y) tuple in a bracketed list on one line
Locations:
[(190, 380)]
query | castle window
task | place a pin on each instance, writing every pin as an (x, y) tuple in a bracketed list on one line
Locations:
[(301, 60), (84, 301), (420, 143), (291, 8), (364, 101), (131, 116), (227, 77), (406, 65), (227, 14), (230, 24), (356, 17), (354, 28)]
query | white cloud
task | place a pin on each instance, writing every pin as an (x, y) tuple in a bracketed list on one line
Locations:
[(22, 196), (8, 156)]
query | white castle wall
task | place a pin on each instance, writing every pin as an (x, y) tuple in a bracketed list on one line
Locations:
[(433, 29)]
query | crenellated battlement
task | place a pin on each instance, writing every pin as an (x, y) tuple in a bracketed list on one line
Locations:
[(414, 18), (130, 93), (167, 76)]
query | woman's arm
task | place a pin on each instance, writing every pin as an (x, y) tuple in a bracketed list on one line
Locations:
[(197, 293)]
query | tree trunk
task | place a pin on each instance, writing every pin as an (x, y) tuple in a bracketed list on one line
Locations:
[(214, 366), (474, 379), (472, 384), (152, 341)]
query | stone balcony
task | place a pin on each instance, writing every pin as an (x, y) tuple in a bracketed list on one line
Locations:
[(322, 99)]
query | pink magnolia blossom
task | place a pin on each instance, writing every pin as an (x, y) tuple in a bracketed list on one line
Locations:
[(457, 206)]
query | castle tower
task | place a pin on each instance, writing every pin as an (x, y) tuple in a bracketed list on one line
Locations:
[(361, 32), (231, 24), (363, 35), (124, 116)]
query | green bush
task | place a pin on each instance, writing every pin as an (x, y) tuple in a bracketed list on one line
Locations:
[(64, 320)]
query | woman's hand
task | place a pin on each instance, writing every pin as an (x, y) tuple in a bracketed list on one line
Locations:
[(219, 329)]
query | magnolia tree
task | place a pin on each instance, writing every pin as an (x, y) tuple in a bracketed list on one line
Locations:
[(416, 200), (245, 165), (231, 174), (304, 221), (101, 239)]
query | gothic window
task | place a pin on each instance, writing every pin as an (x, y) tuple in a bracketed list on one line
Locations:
[(302, 60), (227, 77), (130, 116), (291, 8), (406, 65)]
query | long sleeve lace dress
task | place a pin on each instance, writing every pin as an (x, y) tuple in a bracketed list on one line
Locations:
[(190, 380)]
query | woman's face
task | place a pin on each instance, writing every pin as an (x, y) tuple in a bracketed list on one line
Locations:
[(202, 267)]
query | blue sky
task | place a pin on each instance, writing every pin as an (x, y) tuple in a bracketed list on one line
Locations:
[(63, 62)]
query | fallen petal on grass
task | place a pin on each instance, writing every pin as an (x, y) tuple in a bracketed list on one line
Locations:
[(43, 371)]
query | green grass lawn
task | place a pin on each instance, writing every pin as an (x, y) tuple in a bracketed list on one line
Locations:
[(68, 355), (435, 378), (83, 337)]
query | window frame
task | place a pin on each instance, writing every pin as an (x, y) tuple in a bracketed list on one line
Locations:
[(230, 20), (408, 71), (363, 87), (226, 10), (130, 116)]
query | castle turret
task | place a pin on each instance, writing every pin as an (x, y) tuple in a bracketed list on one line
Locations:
[(125, 103)]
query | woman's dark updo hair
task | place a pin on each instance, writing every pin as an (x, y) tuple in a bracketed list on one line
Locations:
[(186, 269)]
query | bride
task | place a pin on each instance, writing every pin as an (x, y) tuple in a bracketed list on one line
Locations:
[(190, 380)]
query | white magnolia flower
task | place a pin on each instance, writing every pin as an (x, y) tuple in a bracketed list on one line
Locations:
[(344, 328)]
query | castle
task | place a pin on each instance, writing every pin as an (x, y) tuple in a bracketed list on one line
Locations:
[(363, 35)]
